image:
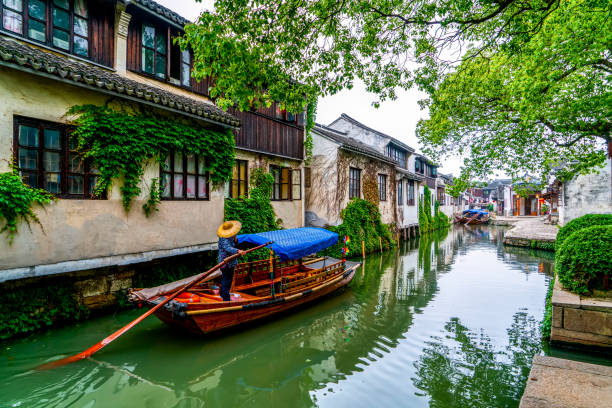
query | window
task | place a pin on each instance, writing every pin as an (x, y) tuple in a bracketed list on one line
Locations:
[(400, 193), (418, 166), (184, 177), (282, 183), (307, 177), (296, 184), (238, 185), (63, 24), (382, 187), (410, 192), (441, 195), (153, 51), (46, 158), (354, 183), (397, 155)]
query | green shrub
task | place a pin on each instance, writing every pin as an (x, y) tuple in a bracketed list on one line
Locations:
[(361, 222), (585, 221), (584, 258)]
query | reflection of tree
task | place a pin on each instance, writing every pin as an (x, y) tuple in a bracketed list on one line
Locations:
[(464, 369)]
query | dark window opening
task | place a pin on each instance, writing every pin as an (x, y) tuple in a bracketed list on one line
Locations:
[(62, 24), (153, 51), (354, 183), (281, 189), (410, 192), (400, 193), (46, 156), (382, 187)]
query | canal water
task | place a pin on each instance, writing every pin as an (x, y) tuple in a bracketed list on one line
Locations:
[(450, 321)]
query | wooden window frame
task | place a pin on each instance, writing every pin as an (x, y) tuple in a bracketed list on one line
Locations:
[(277, 186), (230, 184), (382, 187), (354, 183), (49, 25), (64, 154), (410, 192), (185, 174), (296, 197), (400, 193), (307, 177), (155, 52)]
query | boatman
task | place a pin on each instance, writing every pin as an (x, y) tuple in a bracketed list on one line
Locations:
[(227, 247)]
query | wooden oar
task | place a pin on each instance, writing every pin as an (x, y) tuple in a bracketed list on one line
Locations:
[(98, 346)]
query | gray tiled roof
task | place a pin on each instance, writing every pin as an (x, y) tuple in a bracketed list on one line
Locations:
[(37, 61), (361, 125), (160, 10), (352, 144)]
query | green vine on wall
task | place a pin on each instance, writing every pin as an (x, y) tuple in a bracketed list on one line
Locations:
[(427, 222), (16, 202), (120, 143), (155, 194), (311, 114)]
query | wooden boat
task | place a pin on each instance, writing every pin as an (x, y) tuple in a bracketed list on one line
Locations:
[(260, 289), (472, 217)]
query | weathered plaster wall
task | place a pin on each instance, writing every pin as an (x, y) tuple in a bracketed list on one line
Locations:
[(407, 214), (372, 139), (586, 194), (76, 230), (322, 197)]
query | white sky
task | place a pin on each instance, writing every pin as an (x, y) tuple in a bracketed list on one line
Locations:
[(396, 118)]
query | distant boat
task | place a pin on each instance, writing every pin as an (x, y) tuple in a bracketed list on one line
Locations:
[(261, 288), (472, 217)]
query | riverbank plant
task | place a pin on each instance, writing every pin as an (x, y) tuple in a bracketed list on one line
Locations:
[(17, 201), (546, 324), (120, 142), (427, 221), (583, 261), (585, 221), (361, 222)]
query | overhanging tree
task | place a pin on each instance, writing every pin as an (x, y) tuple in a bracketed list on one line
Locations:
[(257, 51)]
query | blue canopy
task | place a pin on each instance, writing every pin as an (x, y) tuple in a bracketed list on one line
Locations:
[(293, 243), (474, 212)]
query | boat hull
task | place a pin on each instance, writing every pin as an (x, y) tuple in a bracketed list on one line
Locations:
[(210, 320)]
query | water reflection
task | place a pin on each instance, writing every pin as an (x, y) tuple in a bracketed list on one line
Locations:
[(447, 321)]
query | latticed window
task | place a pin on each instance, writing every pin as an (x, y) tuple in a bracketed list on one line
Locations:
[(382, 187), (153, 51), (184, 177), (354, 183), (410, 192), (400, 193), (281, 189), (238, 185), (47, 157), (63, 24)]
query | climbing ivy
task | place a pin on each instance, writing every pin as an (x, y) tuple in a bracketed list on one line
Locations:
[(155, 193), (361, 222), (120, 142), (16, 202), (311, 113)]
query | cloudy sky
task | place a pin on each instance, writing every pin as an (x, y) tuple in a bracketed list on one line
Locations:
[(396, 118)]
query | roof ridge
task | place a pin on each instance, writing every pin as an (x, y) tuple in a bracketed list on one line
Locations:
[(366, 127), (160, 10)]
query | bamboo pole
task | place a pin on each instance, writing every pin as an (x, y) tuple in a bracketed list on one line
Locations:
[(380, 243), (397, 236), (363, 248)]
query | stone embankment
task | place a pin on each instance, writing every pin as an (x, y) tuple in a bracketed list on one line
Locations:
[(579, 320), (560, 383), (531, 232)]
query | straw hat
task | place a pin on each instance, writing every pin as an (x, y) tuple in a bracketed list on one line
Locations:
[(229, 229)]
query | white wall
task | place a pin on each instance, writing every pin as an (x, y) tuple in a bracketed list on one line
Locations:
[(586, 194)]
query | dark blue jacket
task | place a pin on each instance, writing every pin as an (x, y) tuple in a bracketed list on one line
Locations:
[(227, 248)]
